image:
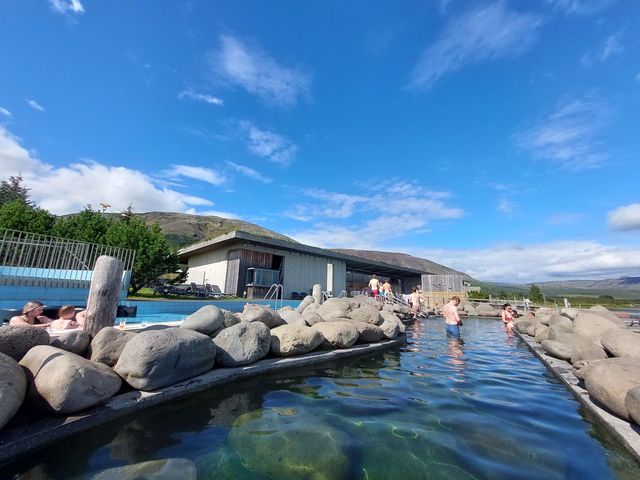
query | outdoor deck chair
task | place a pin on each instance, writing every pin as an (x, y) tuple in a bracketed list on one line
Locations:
[(215, 290), (198, 290)]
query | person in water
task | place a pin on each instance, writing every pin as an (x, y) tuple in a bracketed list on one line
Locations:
[(66, 319), (32, 316), (507, 316), (415, 302), (451, 318)]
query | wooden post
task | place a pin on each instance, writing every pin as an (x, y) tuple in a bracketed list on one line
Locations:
[(102, 303)]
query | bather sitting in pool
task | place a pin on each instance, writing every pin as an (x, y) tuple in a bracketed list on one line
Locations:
[(67, 319), (507, 316), (32, 316)]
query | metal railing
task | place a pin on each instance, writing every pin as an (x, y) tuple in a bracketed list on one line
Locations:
[(275, 294), (31, 259)]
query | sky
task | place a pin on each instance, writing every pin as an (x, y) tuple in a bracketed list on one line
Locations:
[(500, 138)]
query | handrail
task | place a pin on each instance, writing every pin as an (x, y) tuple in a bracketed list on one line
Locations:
[(275, 293)]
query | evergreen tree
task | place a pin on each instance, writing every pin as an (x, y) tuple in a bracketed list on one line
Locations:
[(12, 189), (20, 215), (535, 294), (87, 226)]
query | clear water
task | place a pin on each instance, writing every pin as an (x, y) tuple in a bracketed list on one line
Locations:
[(433, 409)]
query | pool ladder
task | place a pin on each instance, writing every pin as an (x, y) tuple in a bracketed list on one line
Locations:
[(276, 294)]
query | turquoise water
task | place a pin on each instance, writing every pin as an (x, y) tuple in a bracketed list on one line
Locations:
[(434, 409)]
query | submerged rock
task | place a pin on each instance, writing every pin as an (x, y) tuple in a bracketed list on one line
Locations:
[(169, 469), (242, 344), (609, 381), (289, 340), (16, 341), (13, 386)]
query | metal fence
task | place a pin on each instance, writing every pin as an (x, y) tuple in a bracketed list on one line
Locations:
[(31, 259)]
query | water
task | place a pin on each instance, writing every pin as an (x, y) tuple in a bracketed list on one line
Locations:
[(434, 409)]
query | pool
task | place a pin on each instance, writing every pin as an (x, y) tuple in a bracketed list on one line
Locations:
[(436, 408)]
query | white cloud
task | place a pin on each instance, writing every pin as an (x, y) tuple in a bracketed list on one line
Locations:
[(70, 188), (258, 73), (202, 174), (580, 7), (5, 112), (625, 218), (272, 146), (612, 46), (35, 105), (249, 172), (485, 33), (66, 6), (215, 213), (570, 136), (540, 262), (505, 205), (200, 97)]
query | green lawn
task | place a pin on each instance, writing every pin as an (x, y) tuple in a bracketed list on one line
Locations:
[(149, 294)]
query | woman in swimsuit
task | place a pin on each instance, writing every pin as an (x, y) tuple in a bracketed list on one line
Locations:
[(31, 316), (507, 316)]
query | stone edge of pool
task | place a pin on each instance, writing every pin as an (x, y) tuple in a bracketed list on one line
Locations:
[(24, 439), (626, 433)]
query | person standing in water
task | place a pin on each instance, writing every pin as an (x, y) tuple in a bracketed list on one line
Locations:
[(451, 318)]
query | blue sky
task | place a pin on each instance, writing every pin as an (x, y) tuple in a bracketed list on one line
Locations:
[(498, 137)]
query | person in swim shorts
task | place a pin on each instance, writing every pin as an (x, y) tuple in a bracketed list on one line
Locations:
[(451, 318)]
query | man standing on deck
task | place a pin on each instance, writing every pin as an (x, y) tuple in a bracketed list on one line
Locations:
[(451, 318), (374, 285)]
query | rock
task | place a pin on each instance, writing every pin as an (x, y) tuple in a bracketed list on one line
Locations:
[(543, 318), (545, 311), (486, 310), (569, 312), (74, 341), (208, 320), (230, 319), (261, 313), (621, 343), (316, 292), (400, 310), (334, 308), (16, 341), (66, 383), (559, 332), (108, 344), (592, 325), (471, 310), (292, 317), (556, 319), (557, 349), (580, 368), (289, 340), (311, 317), (392, 326), (338, 334), (583, 349), (306, 301), (155, 359), (609, 381), (368, 333), (167, 469), (368, 314), (242, 344), (608, 314), (531, 330), (13, 386), (542, 333), (632, 404), (522, 325)]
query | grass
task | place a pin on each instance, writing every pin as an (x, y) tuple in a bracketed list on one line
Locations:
[(150, 294)]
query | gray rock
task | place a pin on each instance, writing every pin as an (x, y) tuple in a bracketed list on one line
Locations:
[(400, 310), (74, 341), (632, 404), (288, 340), (471, 310), (16, 341), (368, 333), (392, 325), (569, 312), (522, 325), (292, 317), (311, 317), (545, 311), (166, 469), (13, 386), (230, 319), (561, 320), (242, 344), (155, 359), (261, 313), (486, 310), (542, 333), (306, 301), (108, 344), (608, 314), (208, 320), (581, 367), (583, 349), (543, 318), (338, 334), (531, 330), (334, 308), (609, 381), (316, 292), (621, 343), (559, 332), (65, 383), (367, 314), (592, 325), (557, 349)]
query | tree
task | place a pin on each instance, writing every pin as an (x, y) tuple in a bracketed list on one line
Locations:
[(12, 189), (87, 226), (535, 294), (154, 257), (20, 215)]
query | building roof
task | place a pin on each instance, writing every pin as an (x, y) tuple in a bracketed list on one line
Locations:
[(353, 263)]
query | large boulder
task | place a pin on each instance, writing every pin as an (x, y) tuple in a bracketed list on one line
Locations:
[(581, 367), (543, 318), (392, 325), (13, 386), (253, 312), (208, 320), (592, 325), (559, 332), (16, 340), (311, 317), (65, 383), (165, 469), (367, 314), (632, 404), (74, 341), (154, 359), (621, 343), (609, 381), (242, 344), (608, 314), (398, 309), (306, 301), (561, 320), (334, 308), (292, 317), (289, 340), (486, 310), (108, 344), (570, 312), (583, 348), (521, 325), (542, 333), (339, 334), (557, 349), (368, 333)]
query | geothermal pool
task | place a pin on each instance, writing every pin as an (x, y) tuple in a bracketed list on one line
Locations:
[(436, 408)]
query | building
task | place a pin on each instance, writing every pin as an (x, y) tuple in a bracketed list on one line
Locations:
[(243, 264)]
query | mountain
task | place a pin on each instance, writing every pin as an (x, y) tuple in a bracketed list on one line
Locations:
[(627, 287), (183, 229), (404, 260)]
